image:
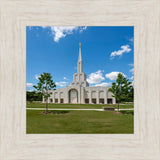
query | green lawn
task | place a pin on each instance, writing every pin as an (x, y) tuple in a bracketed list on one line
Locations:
[(78, 106), (79, 122)]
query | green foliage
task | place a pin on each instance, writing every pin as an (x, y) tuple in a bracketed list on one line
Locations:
[(44, 86), (127, 112), (33, 96), (122, 89)]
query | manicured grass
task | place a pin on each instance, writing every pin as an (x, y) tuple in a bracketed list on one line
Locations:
[(127, 112), (79, 122), (78, 106)]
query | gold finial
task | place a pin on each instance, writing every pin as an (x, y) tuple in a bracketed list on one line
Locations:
[(79, 44)]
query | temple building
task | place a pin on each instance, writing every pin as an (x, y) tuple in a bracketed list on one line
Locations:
[(80, 92)]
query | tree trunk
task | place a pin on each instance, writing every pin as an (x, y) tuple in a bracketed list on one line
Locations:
[(46, 105), (118, 106)]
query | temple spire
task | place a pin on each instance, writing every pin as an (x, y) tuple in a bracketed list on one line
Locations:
[(80, 56), (80, 65)]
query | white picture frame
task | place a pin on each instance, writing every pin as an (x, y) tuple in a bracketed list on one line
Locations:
[(15, 144)]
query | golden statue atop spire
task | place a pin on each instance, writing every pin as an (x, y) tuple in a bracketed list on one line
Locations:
[(79, 44)]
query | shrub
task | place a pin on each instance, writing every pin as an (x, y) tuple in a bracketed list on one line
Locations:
[(127, 112)]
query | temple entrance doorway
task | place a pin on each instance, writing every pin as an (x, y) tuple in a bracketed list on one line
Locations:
[(73, 96)]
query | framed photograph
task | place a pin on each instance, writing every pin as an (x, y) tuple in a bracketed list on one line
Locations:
[(73, 92), (79, 80)]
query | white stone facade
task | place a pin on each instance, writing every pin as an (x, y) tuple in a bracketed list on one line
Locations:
[(80, 92)]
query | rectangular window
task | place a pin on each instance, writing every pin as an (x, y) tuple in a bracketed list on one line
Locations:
[(86, 100), (56, 100), (94, 100), (109, 101), (101, 100), (61, 100)]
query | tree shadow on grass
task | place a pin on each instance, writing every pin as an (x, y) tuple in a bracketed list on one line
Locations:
[(55, 112)]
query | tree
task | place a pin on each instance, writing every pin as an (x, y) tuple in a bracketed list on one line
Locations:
[(131, 95), (44, 86), (33, 96), (121, 89)]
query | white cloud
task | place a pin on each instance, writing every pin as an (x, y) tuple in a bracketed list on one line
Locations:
[(132, 70), (95, 77), (30, 90), (64, 78), (131, 64), (44, 26), (132, 78), (61, 32), (61, 84), (131, 39), (29, 84), (82, 29), (124, 49), (132, 84), (113, 75), (103, 84), (36, 76)]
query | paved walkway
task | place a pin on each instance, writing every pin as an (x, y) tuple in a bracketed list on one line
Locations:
[(75, 109)]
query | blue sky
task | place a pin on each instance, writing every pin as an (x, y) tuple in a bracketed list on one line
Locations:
[(106, 51)]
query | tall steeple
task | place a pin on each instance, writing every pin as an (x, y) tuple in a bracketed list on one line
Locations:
[(79, 78), (80, 64), (80, 56)]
